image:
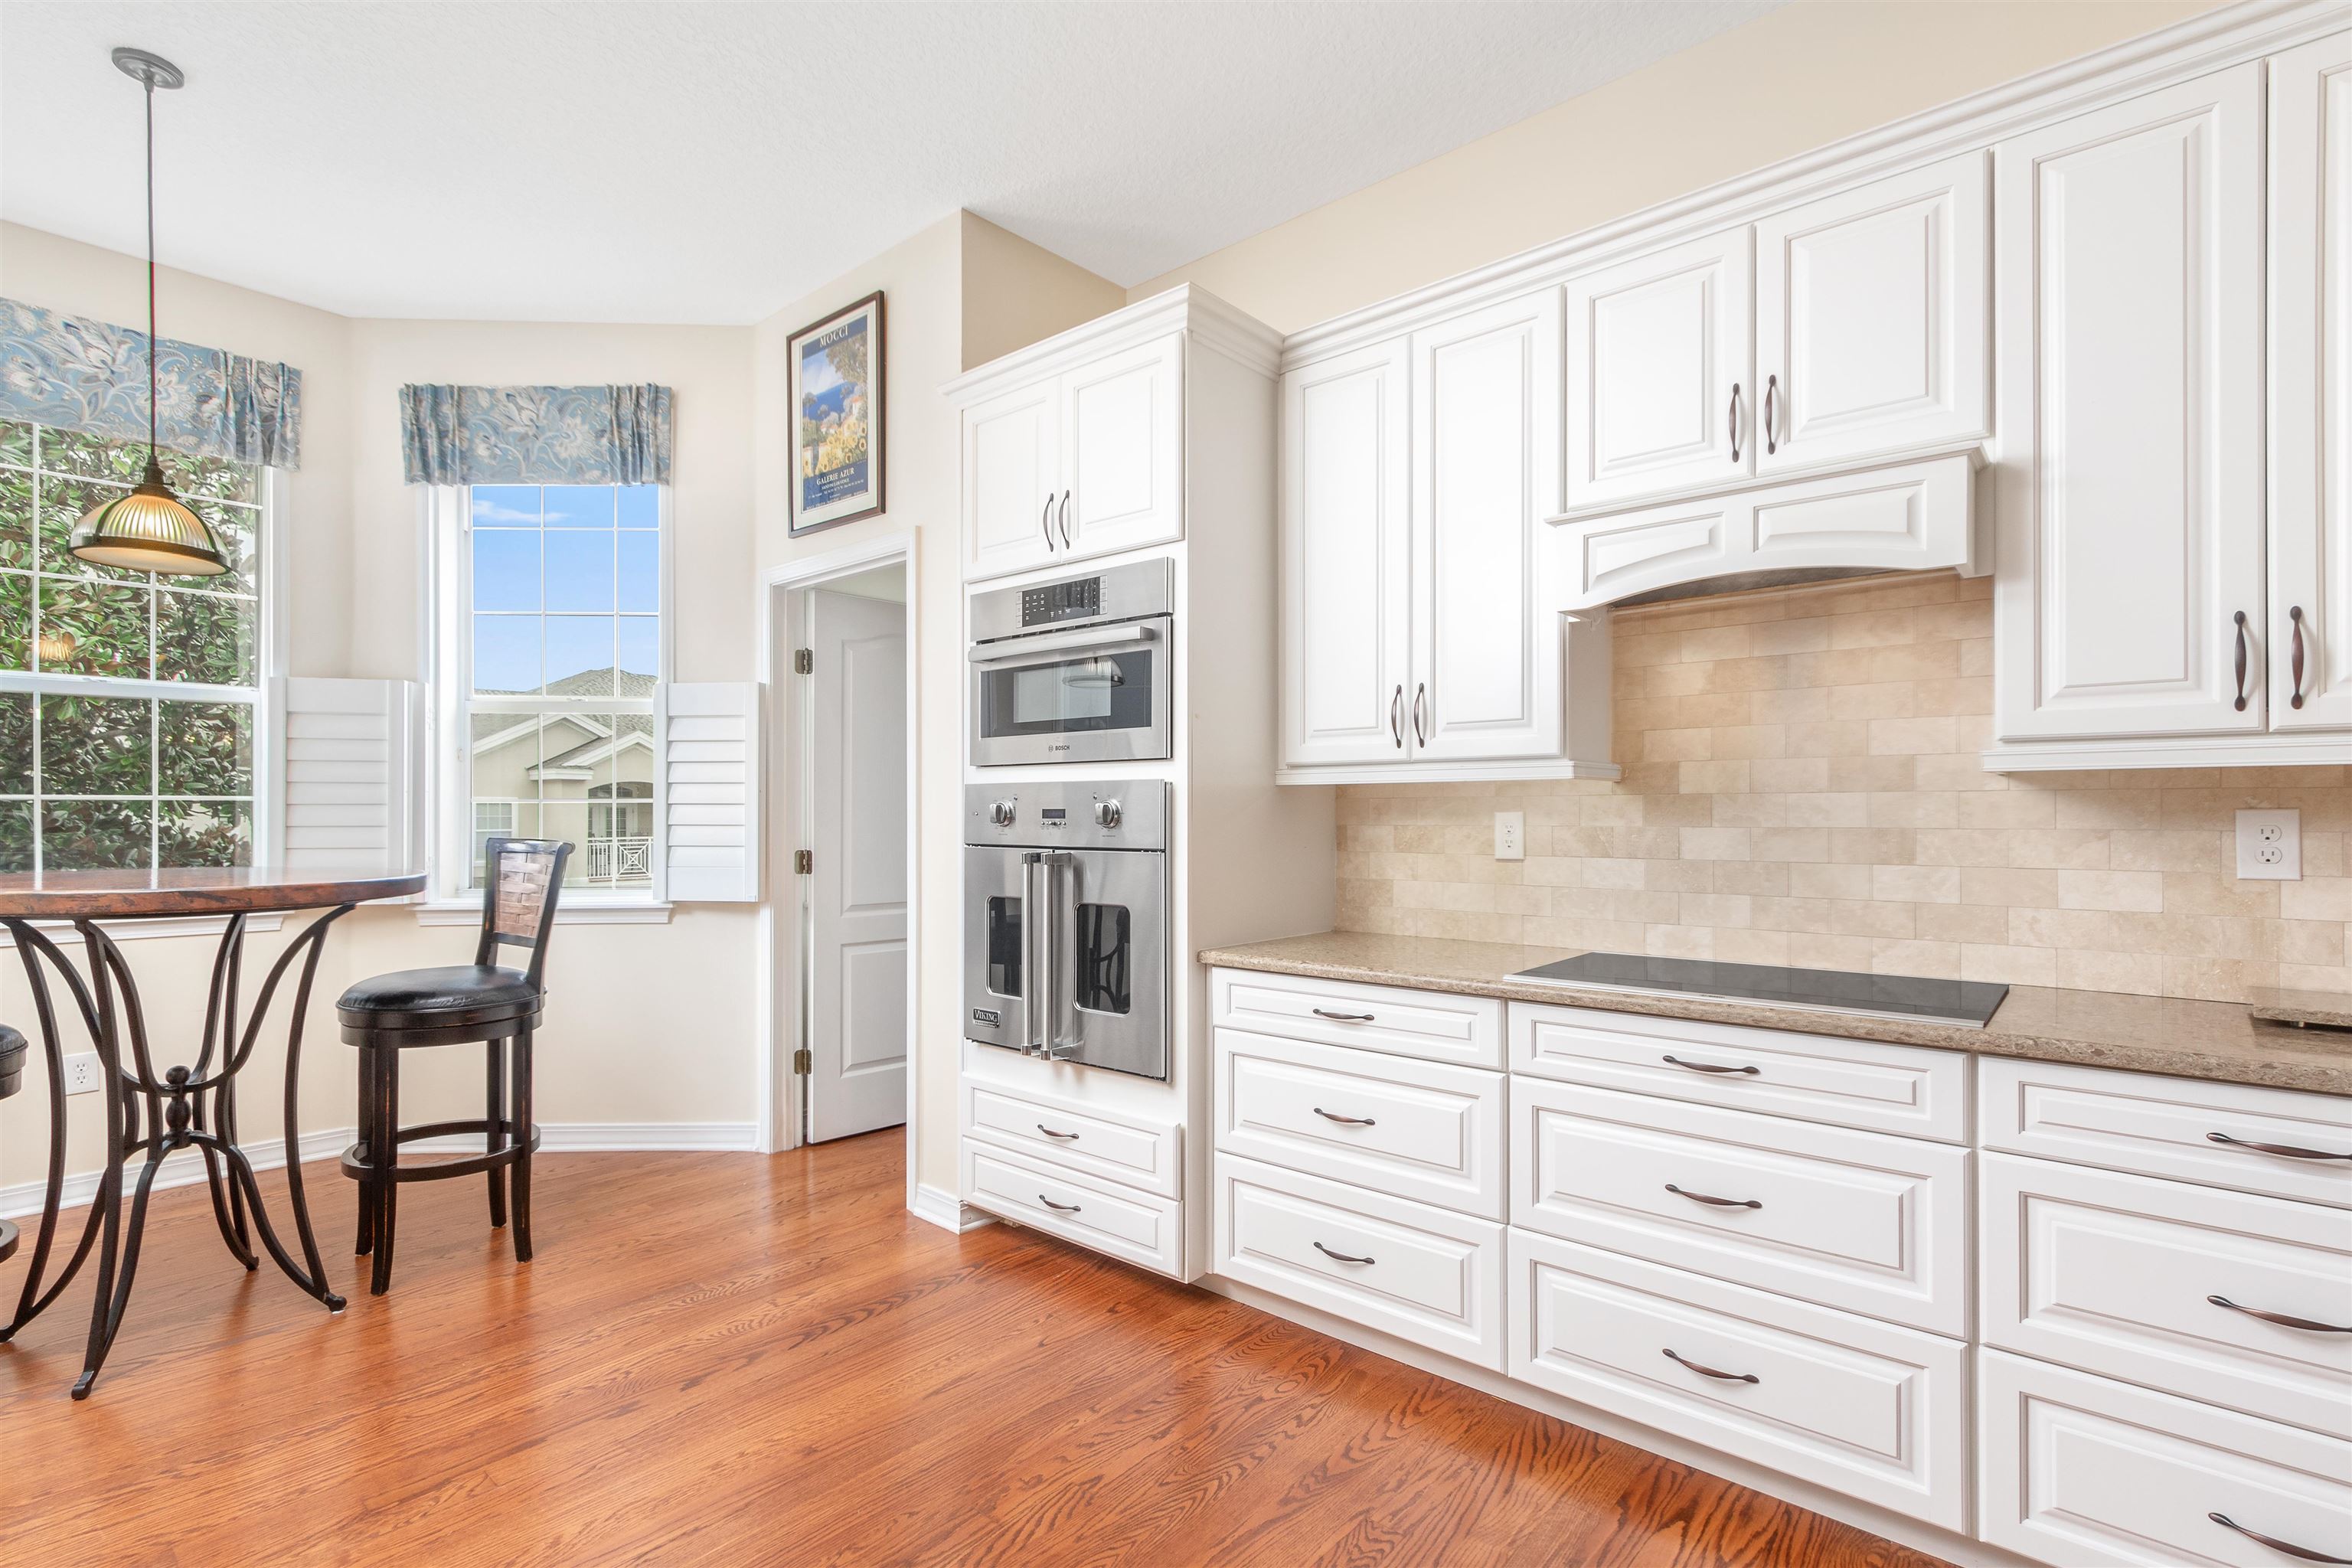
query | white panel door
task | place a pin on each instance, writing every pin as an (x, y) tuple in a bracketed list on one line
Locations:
[(1123, 451), (1486, 471), (1872, 319), (858, 889), (1012, 481), (1347, 573), (2129, 275), (1661, 390), (2311, 384)]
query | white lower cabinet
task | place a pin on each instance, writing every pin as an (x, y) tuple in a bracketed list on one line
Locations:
[(1427, 1275), (2081, 1471), (1124, 1222), (1862, 1407)]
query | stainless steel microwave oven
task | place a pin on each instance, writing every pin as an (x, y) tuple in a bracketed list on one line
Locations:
[(1079, 669)]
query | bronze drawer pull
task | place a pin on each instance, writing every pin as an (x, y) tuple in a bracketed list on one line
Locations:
[(1064, 1208), (2287, 1151), (1735, 422), (1771, 390), (2306, 1554), (1344, 1121), (1341, 1256), (1066, 1137), (1717, 1202), (1704, 1067), (1344, 1017), (2281, 1318), (1710, 1371)]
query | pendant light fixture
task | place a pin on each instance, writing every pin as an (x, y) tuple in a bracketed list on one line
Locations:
[(150, 530)]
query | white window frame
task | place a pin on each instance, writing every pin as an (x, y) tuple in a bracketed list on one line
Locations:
[(447, 521), (271, 627)]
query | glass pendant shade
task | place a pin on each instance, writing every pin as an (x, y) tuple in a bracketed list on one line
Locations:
[(149, 530)]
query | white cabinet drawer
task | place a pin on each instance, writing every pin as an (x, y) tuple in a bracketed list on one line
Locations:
[(1413, 1129), (2114, 1273), (1465, 1030), (1423, 1274), (2079, 1470), (1857, 1220), (1129, 1224), (2170, 1127), (1863, 1407), (1819, 1078), (1139, 1153)]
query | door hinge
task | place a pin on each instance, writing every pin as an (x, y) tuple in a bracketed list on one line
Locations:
[(803, 862), (801, 1060), (803, 661)]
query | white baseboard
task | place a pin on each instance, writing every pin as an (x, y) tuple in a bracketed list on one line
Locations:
[(187, 1167), (945, 1210)]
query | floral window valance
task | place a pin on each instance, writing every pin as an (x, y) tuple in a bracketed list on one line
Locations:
[(535, 435), (71, 372)]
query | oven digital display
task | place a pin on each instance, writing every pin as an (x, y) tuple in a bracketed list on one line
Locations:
[(1055, 814), (1073, 601)]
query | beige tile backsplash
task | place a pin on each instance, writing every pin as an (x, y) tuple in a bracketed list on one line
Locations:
[(1803, 786)]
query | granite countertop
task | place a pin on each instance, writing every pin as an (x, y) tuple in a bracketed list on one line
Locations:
[(2219, 1040)]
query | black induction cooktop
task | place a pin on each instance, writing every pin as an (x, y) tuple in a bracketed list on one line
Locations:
[(1967, 1002)]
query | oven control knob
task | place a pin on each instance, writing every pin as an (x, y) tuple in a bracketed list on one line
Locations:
[(1001, 813), (1106, 814)]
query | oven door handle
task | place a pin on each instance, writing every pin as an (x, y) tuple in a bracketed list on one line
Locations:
[(1059, 910), (1012, 651), (1034, 988)]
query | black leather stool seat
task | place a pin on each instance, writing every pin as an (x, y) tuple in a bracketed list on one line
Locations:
[(452, 996), (12, 1061)]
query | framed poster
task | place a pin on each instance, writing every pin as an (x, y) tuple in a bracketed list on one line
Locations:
[(834, 379)]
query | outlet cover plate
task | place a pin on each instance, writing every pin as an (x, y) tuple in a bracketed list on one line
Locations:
[(1510, 836), (82, 1073), (2270, 845)]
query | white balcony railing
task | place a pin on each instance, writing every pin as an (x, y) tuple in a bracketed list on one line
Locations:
[(620, 860)]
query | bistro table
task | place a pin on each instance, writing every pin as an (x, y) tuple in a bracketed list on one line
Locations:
[(191, 1106)]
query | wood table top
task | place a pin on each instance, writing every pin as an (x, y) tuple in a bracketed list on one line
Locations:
[(191, 890)]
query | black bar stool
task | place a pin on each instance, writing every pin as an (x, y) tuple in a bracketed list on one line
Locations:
[(12, 1078), (458, 1005)]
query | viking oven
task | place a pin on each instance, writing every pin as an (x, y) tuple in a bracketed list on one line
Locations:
[(1076, 671), (1065, 922)]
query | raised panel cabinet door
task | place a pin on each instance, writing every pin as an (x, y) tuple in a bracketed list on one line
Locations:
[(1486, 470), (1012, 474), (1872, 319), (2129, 274), (1123, 451), (2311, 385), (1661, 385), (1346, 572)]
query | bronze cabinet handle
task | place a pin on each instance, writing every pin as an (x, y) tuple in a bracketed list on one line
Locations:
[(1705, 1066), (1396, 716), (1064, 1208), (1065, 520), (1734, 422), (2294, 657), (1710, 1371), (1716, 1202), (1344, 1017), (1344, 1121), (2240, 621), (2302, 1553), (1046, 521), (1772, 388), (2286, 1151), (2283, 1320), (1341, 1256), (1069, 1137), (1419, 692)]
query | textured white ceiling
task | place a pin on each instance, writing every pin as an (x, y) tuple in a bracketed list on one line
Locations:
[(710, 162)]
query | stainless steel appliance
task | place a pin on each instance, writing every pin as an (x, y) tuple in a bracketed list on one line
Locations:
[(1967, 1003), (1065, 922), (1079, 669)]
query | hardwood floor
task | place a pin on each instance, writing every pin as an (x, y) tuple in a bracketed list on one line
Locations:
[(727, 1358)]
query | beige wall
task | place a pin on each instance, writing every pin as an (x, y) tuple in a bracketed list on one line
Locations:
[(1803, 786), (1791, 81)]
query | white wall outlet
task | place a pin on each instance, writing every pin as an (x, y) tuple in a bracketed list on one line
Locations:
[(81, 1073), (1510, 836), (2270, 845)]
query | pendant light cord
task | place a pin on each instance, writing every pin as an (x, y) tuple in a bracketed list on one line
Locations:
[(151, 377)]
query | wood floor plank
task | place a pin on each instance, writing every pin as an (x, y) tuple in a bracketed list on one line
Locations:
[(732, 1359)]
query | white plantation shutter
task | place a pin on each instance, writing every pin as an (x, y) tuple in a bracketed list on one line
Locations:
[(710, 774), (347, 760)]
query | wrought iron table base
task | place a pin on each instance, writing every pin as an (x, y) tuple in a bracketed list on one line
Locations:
[(188, 1107)]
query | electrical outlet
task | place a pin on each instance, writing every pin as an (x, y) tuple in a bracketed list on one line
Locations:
[(2270, 845), (81, 1073), (1510, 836)]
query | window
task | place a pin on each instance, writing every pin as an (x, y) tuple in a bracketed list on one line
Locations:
[(129, 705), (552, 659)]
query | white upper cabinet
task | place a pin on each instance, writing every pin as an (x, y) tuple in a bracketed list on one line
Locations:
[(1661, 387), (1345, 558), (1012, 481), (1485, 448), (2129, 573), (1872, 319), (2310, 619)]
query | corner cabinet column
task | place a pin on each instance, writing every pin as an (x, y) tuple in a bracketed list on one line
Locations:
[(1486, 471)]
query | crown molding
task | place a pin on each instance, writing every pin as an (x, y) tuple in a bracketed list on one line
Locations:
[(1209, 321)]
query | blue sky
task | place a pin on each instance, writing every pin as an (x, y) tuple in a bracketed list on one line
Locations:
[(554, 556)]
